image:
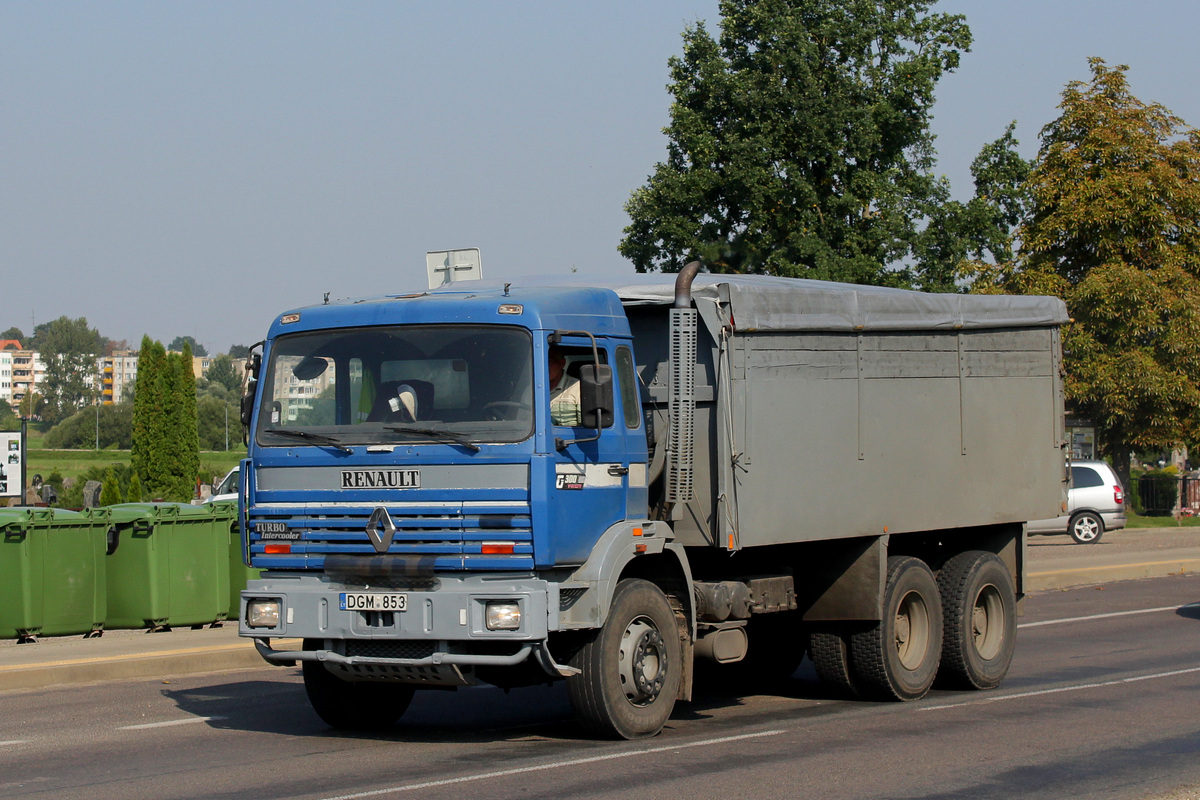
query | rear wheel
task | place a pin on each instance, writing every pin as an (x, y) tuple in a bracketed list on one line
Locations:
[(631, 667), (897, 659), (980, 629), (1086, 527), (362, 705)]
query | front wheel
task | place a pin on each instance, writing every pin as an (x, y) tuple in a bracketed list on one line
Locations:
[(1086, 527), (631, 667), (363, 705)]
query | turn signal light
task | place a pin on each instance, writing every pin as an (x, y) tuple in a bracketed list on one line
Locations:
[(497, 548), (277, 549), (1118, 495)]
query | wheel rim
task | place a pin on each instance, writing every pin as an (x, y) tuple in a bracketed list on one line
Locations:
[(912, 631), (1086, 528), (987, 629), (643, 662)]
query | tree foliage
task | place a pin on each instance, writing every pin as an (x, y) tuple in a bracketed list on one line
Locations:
[(78, 432), (13, 333), (799, 141), (979, 236), (150, 446), (110, 490), (1114, 230), (221, 370), (69, 349), (181, 423), (179, 342)]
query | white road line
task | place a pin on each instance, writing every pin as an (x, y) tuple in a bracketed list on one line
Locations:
[(480, 776), (1073, 688), (1106, 616), (172, 723), (13, 741)]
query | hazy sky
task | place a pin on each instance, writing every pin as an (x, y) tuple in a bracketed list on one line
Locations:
[(197, 168)]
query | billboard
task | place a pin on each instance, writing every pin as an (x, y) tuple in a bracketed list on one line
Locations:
[(12, 467)]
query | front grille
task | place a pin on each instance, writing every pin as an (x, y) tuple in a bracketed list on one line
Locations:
[(439, 536)]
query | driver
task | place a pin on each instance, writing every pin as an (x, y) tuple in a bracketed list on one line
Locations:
[(564, 391)]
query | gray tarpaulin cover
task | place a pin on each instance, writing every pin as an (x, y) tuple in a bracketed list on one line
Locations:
[(768, 303)]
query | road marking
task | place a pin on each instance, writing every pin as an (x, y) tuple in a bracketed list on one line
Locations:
[(1073, 688), (1107, 616), (172, 723), (574, 762), (13, 741)]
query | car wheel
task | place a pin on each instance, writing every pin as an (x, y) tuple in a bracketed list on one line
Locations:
[(1086, 527)]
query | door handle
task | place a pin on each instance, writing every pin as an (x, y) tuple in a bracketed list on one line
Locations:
[(617, 469)]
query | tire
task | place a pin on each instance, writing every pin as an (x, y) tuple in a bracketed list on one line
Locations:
[(830, 653), (362, 706), (1086, 527), (631, 667), (897, 659), (980, 627)]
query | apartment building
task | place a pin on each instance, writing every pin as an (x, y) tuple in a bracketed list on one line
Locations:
[(117, 373)]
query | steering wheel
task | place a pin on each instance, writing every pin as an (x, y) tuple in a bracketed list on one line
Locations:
[(503, 409)]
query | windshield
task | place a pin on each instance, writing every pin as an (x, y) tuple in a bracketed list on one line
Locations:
[(412, 383)]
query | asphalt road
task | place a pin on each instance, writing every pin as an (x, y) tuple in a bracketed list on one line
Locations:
[(1103, 701)]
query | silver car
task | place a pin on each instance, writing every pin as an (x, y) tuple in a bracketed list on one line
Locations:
[(1095, 503)]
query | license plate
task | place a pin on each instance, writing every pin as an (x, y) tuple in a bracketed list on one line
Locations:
[(373, 601)]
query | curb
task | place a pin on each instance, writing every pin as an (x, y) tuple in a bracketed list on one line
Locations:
[(161, 664), (1085, 576)]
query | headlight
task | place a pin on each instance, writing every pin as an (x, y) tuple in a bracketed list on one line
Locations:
[(263, 613), (504, 615)]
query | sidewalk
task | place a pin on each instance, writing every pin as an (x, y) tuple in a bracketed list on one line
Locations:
[(1054, 562)]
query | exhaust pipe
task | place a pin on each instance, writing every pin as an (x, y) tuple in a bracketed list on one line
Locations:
[(683, 284)]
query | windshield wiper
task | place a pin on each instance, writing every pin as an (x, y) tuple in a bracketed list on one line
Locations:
[(315, 438), (436, 434)]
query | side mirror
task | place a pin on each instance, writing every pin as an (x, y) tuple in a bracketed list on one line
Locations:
[(248, 402), (596, 395)]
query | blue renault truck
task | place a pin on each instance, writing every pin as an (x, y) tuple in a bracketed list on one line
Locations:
[(761, 469)]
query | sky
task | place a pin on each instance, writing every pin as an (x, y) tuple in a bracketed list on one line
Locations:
[(195, 169)]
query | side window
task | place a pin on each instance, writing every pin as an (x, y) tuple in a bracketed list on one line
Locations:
[(1085, 477), (627, 380)]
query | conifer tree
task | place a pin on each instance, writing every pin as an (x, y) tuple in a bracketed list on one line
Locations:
[(110, 491)]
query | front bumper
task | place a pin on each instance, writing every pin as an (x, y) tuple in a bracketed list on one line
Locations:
[(437, 640)]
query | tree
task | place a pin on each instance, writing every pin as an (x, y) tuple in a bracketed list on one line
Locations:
[(149, 450), (13, 333), (799, 142), (179, 342), (181, 423), (69, 349), (110, 490), (31, 405), (8, 416), (78, 431), (979, 236), (1114, 230), (239, 351), (221, 370)]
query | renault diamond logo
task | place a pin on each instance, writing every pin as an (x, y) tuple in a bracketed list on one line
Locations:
[(381, 529)]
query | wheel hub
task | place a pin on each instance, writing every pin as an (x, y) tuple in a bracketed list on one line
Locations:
[(643, 659)]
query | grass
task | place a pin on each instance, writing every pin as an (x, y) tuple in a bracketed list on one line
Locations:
[(1138, 521), (76, 463)]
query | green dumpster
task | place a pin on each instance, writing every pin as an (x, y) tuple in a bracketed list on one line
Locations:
[(168, 566), (239, 573), (52, 572)]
